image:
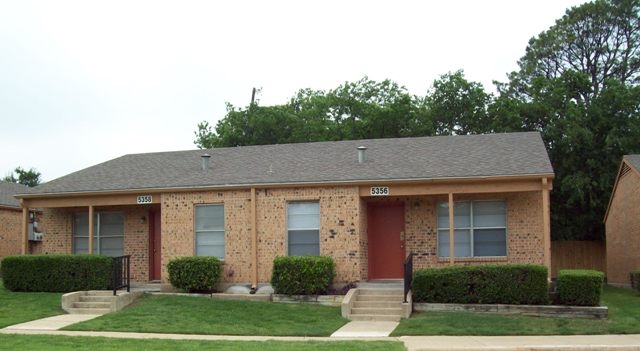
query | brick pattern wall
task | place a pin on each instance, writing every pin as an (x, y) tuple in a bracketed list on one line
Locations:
[(57, 226), (339, 228), (343, 229), (623, 230), (10, 232), (524, 229), (178, 232), (57, 229)]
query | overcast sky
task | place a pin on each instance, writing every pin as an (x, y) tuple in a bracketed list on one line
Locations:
[(83, 82)]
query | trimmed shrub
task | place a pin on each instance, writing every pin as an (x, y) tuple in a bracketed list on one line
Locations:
[(194, 274), (302, 275), (56, 273), (580, 287), (634, 277), (487, 284)]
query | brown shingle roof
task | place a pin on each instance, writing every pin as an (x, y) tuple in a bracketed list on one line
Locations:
[(510, 154), (7, 190)]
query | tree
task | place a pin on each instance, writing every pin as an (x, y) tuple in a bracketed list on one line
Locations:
[(354, 110), (29, 178), (458, 106), (577, 84)]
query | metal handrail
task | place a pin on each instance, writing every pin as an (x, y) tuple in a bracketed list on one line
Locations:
[(121, 273), (408, 275)]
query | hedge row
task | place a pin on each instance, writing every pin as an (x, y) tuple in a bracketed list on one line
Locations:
[(580, 287), (489, 284), (194, 274), (56, 273), (302, 275)]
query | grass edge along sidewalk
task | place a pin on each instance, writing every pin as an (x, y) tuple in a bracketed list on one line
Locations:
[(20, 307), (210, 316), (624, 318), (61, 342)]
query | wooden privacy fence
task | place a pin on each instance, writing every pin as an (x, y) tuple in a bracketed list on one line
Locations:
[(578, 255)]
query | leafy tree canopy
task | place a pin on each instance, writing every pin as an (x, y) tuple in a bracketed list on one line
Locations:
[(577, 84), (29, 177)]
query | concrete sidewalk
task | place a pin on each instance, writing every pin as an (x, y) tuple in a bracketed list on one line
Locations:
[(50, 325)]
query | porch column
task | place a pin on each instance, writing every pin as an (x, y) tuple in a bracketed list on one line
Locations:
[(91, 230), (254, 239), (546, 224), (451, 231), (24, 248)]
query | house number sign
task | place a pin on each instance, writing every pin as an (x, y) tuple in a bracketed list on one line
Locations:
[(144, 199), (379, 191)]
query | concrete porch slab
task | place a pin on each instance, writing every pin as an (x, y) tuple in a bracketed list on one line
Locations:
[(365, 329)]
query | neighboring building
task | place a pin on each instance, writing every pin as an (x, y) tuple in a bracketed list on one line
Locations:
[(10, 219), (622, 223), (366, 203)]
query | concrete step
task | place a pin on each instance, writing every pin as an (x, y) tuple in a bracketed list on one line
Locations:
[(389, 284), (98, 298), (99, 293), (386, 298), (369, 317), (377, 304), (81, 304), (377, 311), (380, 291), (89, 310)]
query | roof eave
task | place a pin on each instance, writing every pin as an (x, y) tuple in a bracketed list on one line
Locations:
[(280, 184), (615, 184)]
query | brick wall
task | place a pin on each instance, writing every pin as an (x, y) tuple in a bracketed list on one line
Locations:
[(10, 232), (57, 226), (178, 238), (339, 228), (623, 230), (343, 229), (524, 229)]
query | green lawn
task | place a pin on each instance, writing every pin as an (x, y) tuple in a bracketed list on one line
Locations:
[(18, 307), (198, 315), (624, 318), (80, 343)]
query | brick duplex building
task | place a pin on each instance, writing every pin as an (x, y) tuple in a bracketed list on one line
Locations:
[(366, 203), (622, 223), (10, 219)]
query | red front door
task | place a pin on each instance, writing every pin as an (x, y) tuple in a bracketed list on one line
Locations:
[(386, 240), (154, 246)]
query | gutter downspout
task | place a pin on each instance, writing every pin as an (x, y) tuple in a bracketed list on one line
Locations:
[(254, 241)]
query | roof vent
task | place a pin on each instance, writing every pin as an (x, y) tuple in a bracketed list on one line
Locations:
[(205, 161), (361, 150)]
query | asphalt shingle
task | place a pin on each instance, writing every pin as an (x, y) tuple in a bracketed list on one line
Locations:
[(509, 154), (634, 160), (8, 190)]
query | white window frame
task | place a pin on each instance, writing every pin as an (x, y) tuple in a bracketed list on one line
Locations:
[(97, 233), (471, 228), (311, 228), (218, 230)]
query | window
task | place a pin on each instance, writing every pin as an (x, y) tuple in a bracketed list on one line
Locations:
[(210, 231), (303, 228), (480, 229), (108, 233)]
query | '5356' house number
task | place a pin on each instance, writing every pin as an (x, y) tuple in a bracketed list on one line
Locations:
[(379, 191), (144, 199)]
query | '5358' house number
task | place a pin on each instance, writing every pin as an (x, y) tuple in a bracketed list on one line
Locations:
[(379, 191)]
